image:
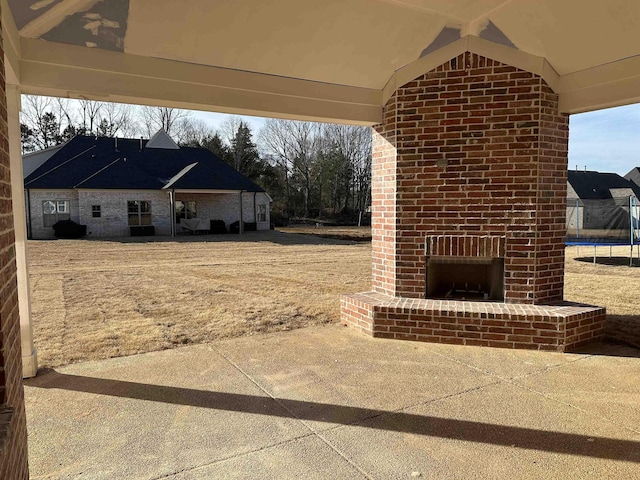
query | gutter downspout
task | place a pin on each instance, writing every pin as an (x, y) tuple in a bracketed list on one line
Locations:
[(172, 211), (255, 212), (241, 227), (29, 226)]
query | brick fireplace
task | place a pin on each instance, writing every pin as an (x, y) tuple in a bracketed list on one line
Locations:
[(468, 226)]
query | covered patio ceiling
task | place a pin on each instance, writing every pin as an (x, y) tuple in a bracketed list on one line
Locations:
[(332, 60)]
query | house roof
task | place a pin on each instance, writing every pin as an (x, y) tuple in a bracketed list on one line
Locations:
[(108, 163), (634, 175), (590, 185)]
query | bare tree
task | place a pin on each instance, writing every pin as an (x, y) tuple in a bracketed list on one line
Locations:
[(38, 117), (295, 145), (166, 118), (119, 119), (89, 111), (353, 146), (229, 127), (195, 132)]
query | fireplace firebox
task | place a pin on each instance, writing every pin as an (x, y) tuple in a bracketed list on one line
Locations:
[(465, 278)]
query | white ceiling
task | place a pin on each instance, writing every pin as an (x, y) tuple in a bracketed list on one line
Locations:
[(357, 43)]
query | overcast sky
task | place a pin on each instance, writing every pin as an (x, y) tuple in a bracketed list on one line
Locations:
[(605, 140)]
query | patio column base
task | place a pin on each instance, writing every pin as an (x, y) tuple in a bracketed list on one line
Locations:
[(30, 365)]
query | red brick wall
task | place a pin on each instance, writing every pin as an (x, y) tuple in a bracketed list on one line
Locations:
[(13, 451), (383, 192), (474, 147), (624, 328)]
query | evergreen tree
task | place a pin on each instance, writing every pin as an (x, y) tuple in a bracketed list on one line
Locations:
[(48, 133), (27, 139), (215, 144), (244, 153)]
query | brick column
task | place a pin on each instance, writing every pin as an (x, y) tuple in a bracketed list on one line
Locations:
[(383, 194), (474, 147), (13, 432)]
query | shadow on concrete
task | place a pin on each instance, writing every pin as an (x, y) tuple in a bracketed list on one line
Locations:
[(463, 430), (610, 347)]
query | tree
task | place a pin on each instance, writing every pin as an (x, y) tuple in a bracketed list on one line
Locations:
[(50, 121), (171, 120), (296, 146), (41, 122), (351, 146), (27, 138), (118, 120), (244, 153), (89, 115)]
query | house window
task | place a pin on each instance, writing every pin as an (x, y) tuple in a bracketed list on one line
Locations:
[(96, 211), (139, 212), (262, 213), (185, 210), (55, 210)]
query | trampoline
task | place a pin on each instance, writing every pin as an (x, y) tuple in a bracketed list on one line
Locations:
[(610, 222)]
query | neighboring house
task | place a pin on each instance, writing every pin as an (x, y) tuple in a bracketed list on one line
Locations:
[(113, 184), (598, 205), (634, 175)]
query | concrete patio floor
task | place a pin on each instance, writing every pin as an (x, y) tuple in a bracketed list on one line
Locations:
[(329, 403)]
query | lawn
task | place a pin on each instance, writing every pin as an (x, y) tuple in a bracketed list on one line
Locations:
[(99, 299)]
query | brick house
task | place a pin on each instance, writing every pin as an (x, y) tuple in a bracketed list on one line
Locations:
[(119, 187)]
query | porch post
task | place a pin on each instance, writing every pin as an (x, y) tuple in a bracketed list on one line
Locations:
[(29, 354), (241, 226), (172, 211)]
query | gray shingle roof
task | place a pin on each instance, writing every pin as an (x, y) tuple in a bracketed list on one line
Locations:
[(102, 163)]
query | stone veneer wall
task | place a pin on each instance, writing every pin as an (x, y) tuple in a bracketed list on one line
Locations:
[(474, 147), (13, 430)]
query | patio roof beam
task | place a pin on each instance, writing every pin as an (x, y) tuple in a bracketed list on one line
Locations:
[(78, 72), (610, 85)]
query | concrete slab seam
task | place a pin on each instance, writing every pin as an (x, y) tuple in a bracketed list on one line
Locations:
[(231, 457), (597, 416), (513, 381), (293, 414)]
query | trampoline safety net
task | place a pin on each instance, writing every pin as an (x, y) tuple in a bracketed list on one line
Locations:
[(609, 221)]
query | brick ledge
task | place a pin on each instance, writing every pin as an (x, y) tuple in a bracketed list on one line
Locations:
[(380, 300), (561, 327)]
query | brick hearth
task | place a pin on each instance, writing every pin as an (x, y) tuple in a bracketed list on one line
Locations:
[(559, 328), (470, 165)]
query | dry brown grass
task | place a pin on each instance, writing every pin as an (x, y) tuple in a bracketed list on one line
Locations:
[(610, 282), (100, 299)]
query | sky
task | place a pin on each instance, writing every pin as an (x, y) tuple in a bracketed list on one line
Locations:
[(605, 140), (215, 119)]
